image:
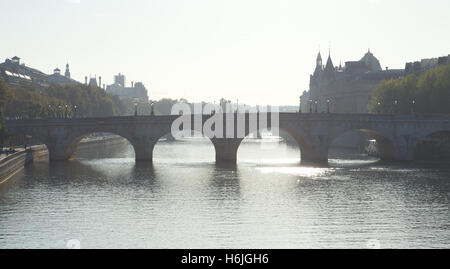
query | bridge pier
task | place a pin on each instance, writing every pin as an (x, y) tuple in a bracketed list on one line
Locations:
[(226, 149), (401, 148), (315, 151), (58, 153), (143, 148), (61, 149)]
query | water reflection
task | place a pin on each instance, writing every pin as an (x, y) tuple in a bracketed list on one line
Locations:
[(187, 201)]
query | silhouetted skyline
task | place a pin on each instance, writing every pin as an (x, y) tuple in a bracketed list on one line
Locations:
[(258, 51)]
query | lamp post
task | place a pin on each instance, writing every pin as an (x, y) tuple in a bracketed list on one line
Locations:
[(152, 111), (75, 111), (413, 105), (60, 112), (395, 106), (328, 106), (315, 106), (310, 106), (300, 105), (379, 107), (66, 112)]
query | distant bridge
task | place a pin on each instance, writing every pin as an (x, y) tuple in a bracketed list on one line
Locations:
[(396, 135)]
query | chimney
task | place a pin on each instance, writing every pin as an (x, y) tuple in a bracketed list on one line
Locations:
[(85, 80)]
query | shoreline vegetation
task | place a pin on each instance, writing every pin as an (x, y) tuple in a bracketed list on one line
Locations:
[(427, 93)]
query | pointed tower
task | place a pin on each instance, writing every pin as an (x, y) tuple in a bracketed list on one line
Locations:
[(318, 65), (329, 70), (67, 73), (329, 65), (319, 60)]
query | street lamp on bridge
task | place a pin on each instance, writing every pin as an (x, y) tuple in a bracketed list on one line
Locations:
[(152, 108), (300, 105), (60, 111)]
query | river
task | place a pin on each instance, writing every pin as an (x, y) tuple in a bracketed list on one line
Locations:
[(104, 200)]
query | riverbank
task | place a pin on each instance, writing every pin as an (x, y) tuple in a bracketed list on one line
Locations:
[(13, 163)]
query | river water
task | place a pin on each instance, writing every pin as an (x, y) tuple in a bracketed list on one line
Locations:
[(104, 200)]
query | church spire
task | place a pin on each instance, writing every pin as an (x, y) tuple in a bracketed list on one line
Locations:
[(319, 60), (67, 73), (329, 63), (319, 67), (329, 70)]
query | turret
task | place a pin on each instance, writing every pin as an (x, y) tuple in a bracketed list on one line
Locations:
[(15, 60), (318, 65), (319, 60), (67, 73)]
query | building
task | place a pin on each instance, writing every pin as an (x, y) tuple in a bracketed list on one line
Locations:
[(17, 74), (57, 78), (345, 89), (119, 79), (137, 91), (348, 88), (425, 64)]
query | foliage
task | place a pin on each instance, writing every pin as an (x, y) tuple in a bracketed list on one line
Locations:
[(426, 93), (3, 98), (70, 100)]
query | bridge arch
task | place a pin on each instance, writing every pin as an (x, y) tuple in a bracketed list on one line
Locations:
[(101, 141), (166, 145), (385, 146), (65, 147), (258, 146)]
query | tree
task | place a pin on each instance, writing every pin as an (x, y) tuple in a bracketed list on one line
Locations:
[(3, 99), (31, 101), (164, 106), (427, 93)]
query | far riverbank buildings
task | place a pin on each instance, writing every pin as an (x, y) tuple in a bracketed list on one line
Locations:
[(17, 74), (348, 88), (345, 89), (137, 91)]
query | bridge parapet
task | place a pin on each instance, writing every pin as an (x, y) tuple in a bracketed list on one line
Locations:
[(397, 134)]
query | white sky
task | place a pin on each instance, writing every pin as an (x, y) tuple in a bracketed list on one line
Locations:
[(257, 51)]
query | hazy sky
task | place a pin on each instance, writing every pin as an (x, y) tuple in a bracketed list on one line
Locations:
[(256, 51)]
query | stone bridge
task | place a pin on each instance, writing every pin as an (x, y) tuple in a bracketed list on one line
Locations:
[(396, 135)]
